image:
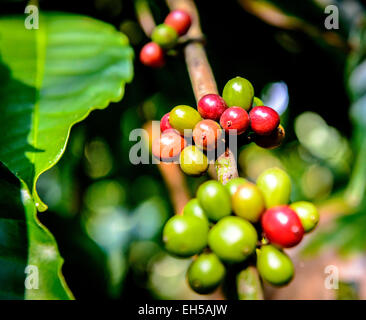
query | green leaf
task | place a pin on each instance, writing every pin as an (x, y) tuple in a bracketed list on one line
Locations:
[(50, 79), (24, 241)]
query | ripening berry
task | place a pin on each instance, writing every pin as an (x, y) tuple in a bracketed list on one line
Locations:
[(235, 118), (307, 213), (248, 202), (233, 184), (263, 120), (211, 106), (192, 161), (179, 20), (152, 55), (184, 117), (206, 133), (168, 146), (165, 36)]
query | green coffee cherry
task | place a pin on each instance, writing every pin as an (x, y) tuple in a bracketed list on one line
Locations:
[(248, 283), (248, 202), (214, 199), (184, 117), (205, 273), (307, 213), (193, 208), (257, 102), (233, 239), (274, 266), (192, 161), (238, 92), (275, 185), (165, 36), (233, 184), (185, 236)]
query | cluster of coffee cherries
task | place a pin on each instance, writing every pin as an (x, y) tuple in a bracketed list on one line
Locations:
[(217, 118), (262, 225), (165, 37)]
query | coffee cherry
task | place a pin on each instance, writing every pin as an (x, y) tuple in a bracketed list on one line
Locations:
[(307, 213), (271, 141), (214, 199), (206, 133), (233, 239), (263, 120), (282, 226), (235, 118), (274, 266), (192, 161), (152, 55), (164, 123), (238, 92), (165, 36), (275, 185), (193, 208), (257, 102), (211, 106), (248, 202), (233, 184), (179, 20), (168, 146), (205, 273), (184, 118), (185, 236)]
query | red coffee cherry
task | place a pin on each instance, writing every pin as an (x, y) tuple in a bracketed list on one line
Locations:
[(235, 118), (211, 106), (282, 226), (206, 133), (179, 20), (264, 120), (164, 123), (152, 55), (168, 146)]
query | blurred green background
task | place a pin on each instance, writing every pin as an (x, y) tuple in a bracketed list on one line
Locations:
[(107, 214)]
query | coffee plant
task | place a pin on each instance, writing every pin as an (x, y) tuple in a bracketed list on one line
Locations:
[(230, 173)]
